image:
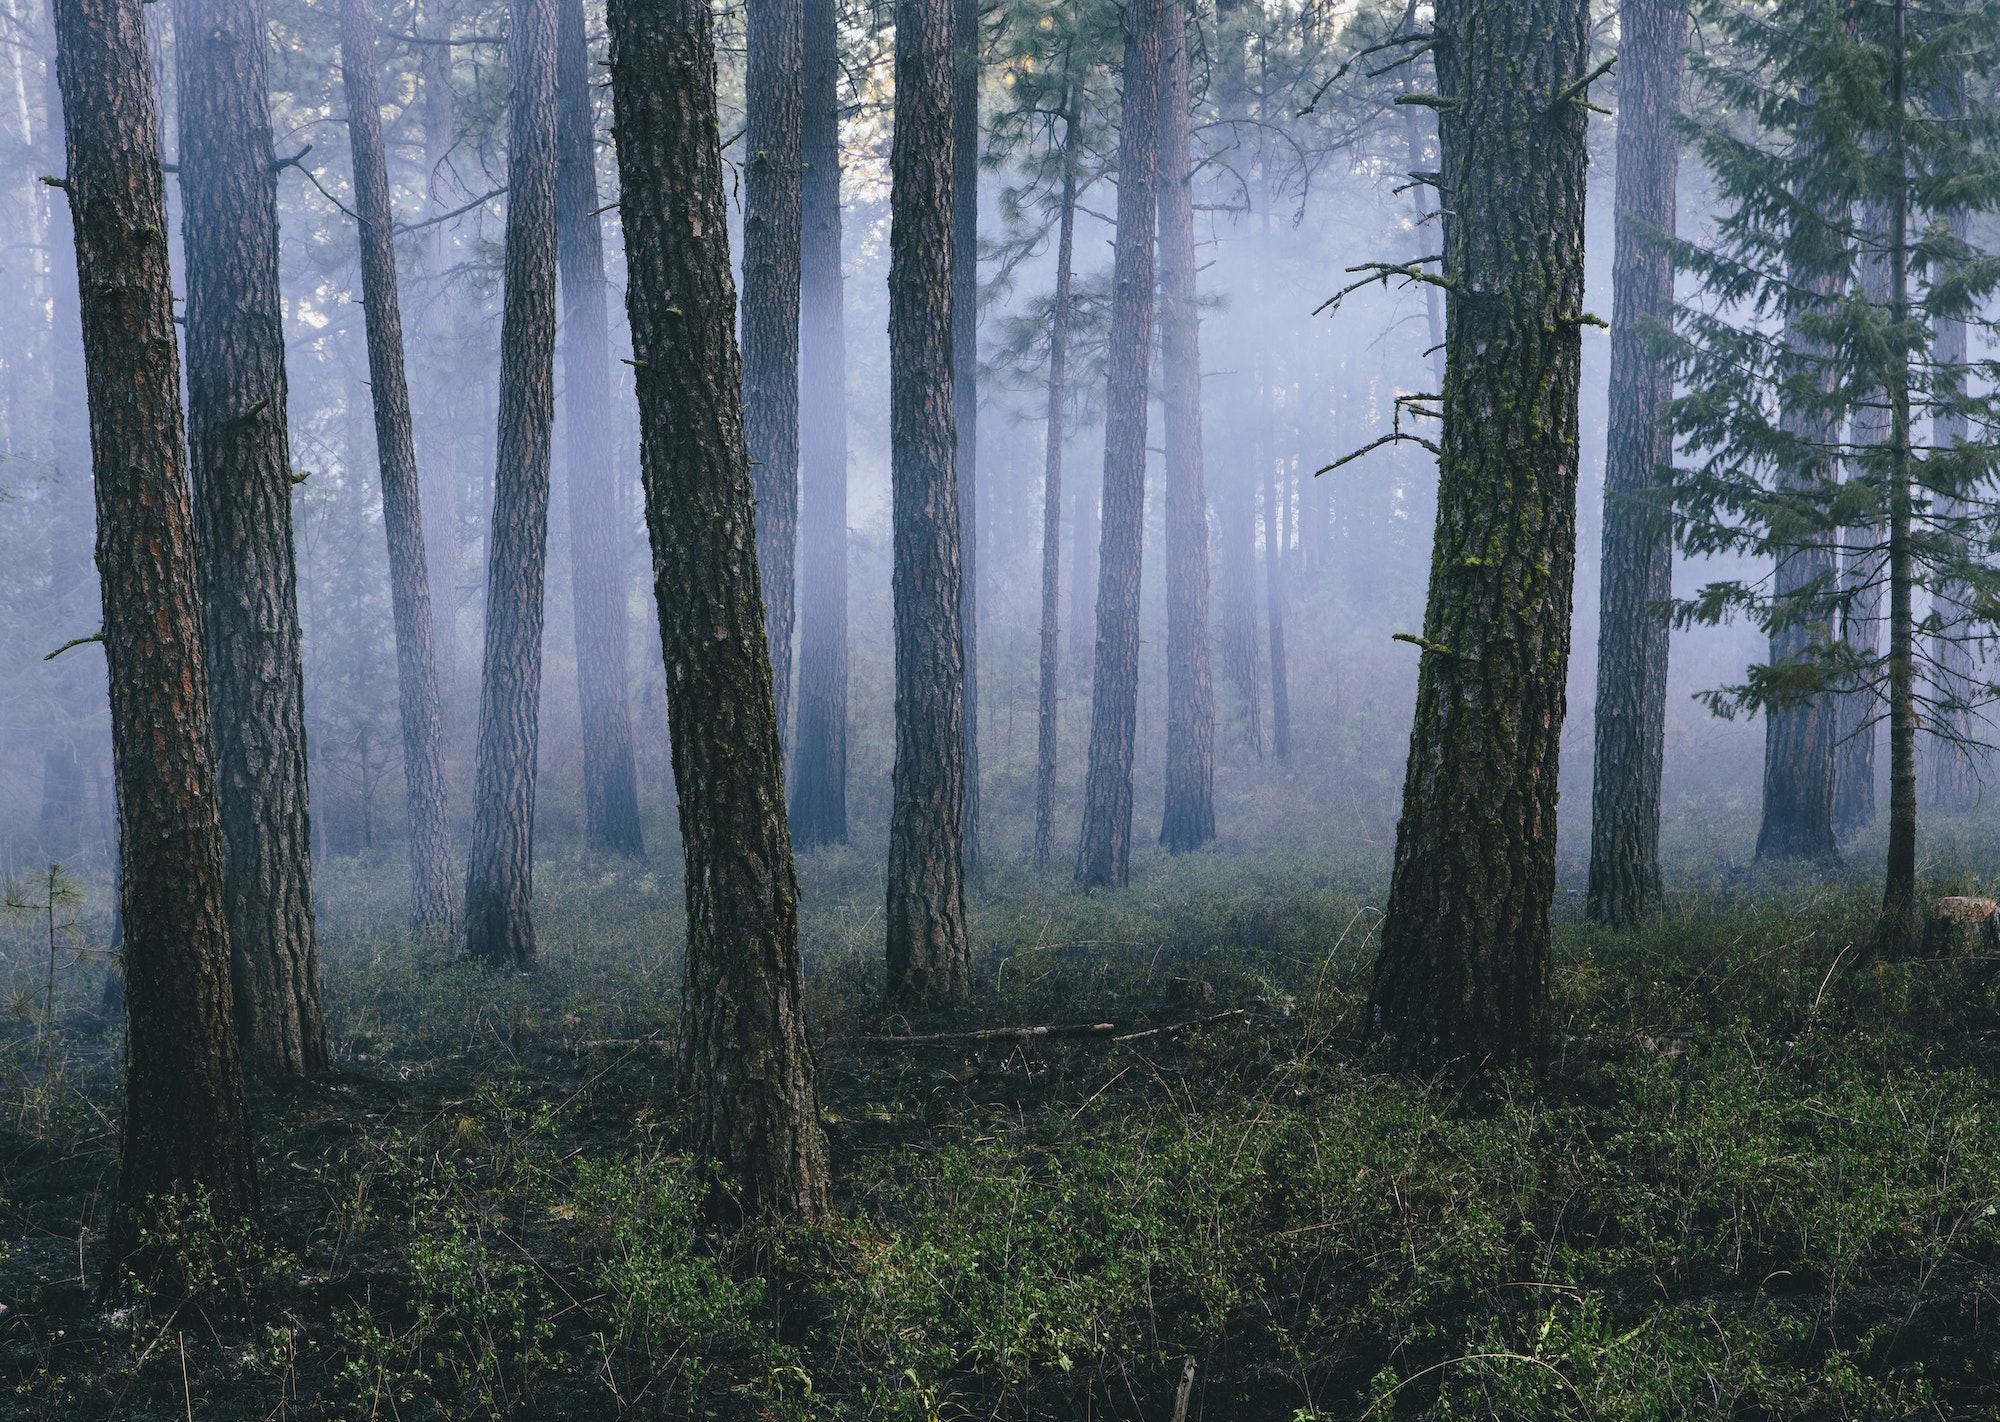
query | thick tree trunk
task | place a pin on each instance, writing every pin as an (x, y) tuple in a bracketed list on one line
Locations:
[(819, 739), (745, 1050), (499, 923), (186, 1132), (965, 377), (1046, 711), (596, 551), (440, 337), (1104, 854), (1637, 552), (241, 470), (929, 951), (1461, 982), (1420, 199), (402, 503), (774, 105), (1188, 821)]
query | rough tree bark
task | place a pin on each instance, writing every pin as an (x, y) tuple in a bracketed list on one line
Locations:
[(402, 502), (965, 377), (1461, 981), (440, 336), (774, 99), (1104, 853), (241, 473), (186, 1131), (1188, 820), (499, 921), (1637, 553), (819, 738), (746, 1050), (597, 552), (929, 953), (1046, 722)]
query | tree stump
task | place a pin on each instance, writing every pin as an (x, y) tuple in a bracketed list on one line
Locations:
[(1962, 927)]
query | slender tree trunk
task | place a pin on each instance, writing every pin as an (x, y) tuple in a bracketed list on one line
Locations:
[(186, 1132), (1895, 932), (965, 377), (402, 503), (597, 553), (1864, 569), (929, 951), (1084, 529), (745, 1050), (1275, 539), (1956, 761), (1236, 521), (1046, 723), (241, 469), (774, 105), (1188, 820), (499, 923), (440, 337), (1637, 552), (819, 743), (1461, 982), (1104, 855)]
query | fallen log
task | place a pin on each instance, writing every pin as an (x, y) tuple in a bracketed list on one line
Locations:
[(998, 1034)]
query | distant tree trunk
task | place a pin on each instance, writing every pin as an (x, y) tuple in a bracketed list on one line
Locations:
[(965, 377), (241, 468), (1084, 527), (1637, 557), (1896, 928), (746, 1051), (499, 923), (1956, 761), (1236, 637), (1461, 981), (774, 104), (819, 741), (1104, 854), (597, 552), (186, 1131), (1275, 540), (440, 337), (1046, 724), (1864, 568), (402, 503), (1189, 818), (929, 952)]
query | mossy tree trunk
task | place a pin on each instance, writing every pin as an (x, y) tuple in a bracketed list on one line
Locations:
[(745, 1051), (186, 1131), (1461, 981)]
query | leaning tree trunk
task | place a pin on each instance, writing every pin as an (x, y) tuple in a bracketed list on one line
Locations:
[(241, 473), (745, 1048), (929, 953), (1637, 557), (1461, 981), (596, 551), (499, 923), (402, 502), (1188, 821), (1104, 855), (1046, 711), (773, 87), (186, 1134), (965, 376), (819, 738)]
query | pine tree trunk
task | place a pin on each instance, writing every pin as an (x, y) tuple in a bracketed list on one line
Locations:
[(597, 552), (241, 472), (929, 951), (774, 104), (1864, 568), (1236, 522), (499, 923), (1956, 760), (1461, 981), (186, 1131), (819, 740), (1188, 821), (1637, 553), (1104, 854), (418, 701), (1047, 700), (1274, 593), (1084, 529), (1420, 199), (440, 338), (965, 378), (746, 1053)]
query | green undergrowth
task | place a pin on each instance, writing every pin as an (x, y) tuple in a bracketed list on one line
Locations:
[(1762, 1180)]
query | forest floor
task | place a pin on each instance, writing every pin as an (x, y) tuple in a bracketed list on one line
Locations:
[(1761, 1180)]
